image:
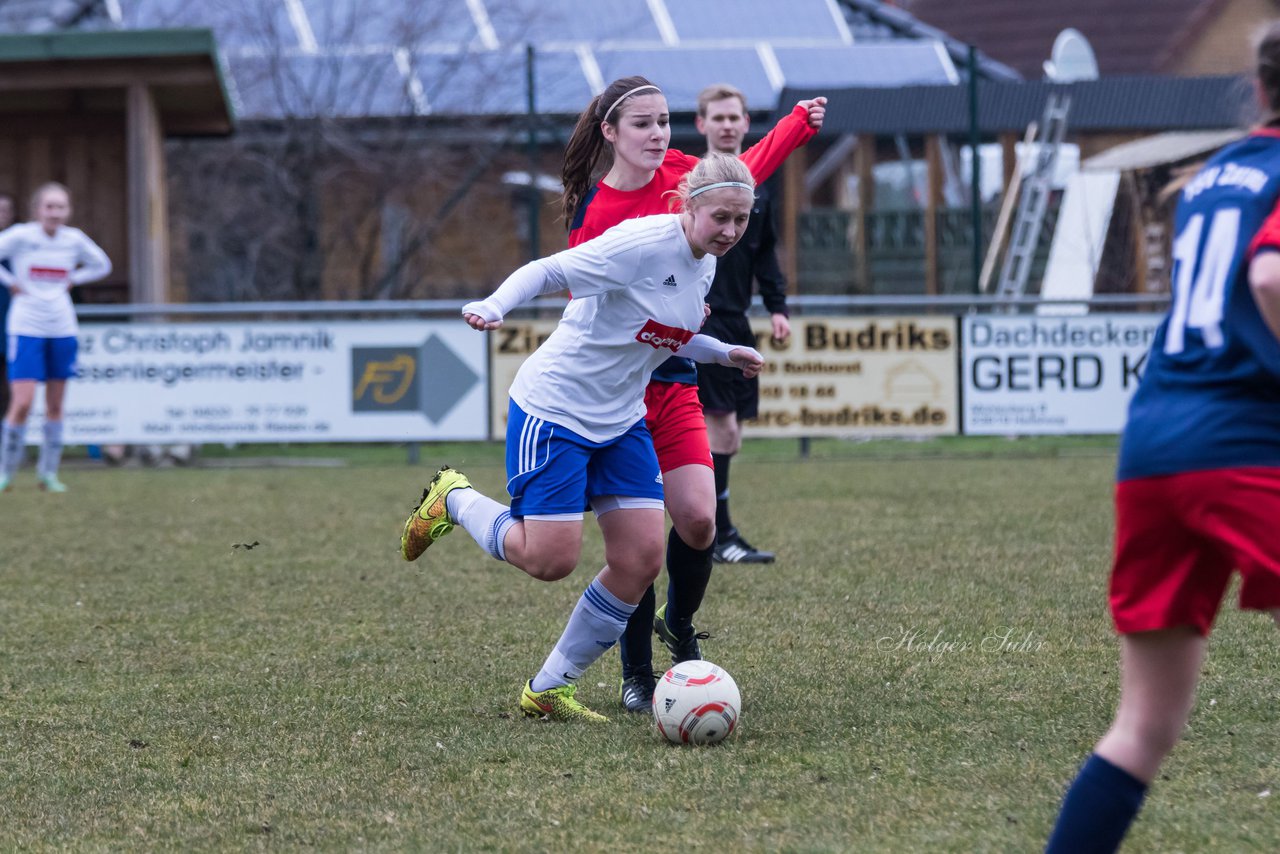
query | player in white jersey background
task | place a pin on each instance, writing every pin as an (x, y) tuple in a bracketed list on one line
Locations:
[(7, 214), (47, 258), (576, 433)]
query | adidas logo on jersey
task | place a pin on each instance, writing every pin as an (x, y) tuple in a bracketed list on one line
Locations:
[(669, 281)]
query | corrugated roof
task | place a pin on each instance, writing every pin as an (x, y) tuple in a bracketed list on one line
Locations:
[(1114, 104), (873, 19), (1160, 149), (181, 66), (1127, 36)]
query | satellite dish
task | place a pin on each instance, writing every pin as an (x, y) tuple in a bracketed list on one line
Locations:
[(1071, 59)]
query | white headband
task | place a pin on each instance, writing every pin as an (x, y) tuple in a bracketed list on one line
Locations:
[(718, 185), (626, 95)]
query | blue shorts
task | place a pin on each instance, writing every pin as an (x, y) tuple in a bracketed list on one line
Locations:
[(554, 472), (42, 359)]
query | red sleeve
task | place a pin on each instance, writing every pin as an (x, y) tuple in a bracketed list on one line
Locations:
[(1268, 237), (787, 135), (679, 161)]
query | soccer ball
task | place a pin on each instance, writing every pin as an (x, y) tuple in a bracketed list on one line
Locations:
[(696, 702)]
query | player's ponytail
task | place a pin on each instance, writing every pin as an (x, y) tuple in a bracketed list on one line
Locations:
[(1269, 68), (1268, 75), (587, 143)]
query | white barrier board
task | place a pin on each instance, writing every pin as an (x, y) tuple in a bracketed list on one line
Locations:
[(142, 383), (868, 377), (1051, 375), (835, 376)]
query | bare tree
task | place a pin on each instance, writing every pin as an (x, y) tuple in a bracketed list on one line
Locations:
[(359, 172)]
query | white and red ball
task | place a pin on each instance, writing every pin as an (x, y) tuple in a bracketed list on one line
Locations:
[(696, 702)]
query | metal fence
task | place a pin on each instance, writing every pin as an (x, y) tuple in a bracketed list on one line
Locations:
[(957, 304), (896, 247)]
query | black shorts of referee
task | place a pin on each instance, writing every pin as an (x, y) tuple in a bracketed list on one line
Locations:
[(723, 389)]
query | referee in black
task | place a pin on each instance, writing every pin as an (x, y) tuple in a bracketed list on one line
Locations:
[(727, 397)]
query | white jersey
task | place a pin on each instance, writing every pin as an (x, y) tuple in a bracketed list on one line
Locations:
[(637, 298), (44, 269)]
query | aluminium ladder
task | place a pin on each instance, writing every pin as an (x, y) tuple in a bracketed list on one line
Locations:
[(1035, 199)]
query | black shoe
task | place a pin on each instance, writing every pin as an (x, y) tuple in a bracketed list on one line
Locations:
[(734, 549), (681, 648), (636, 692)]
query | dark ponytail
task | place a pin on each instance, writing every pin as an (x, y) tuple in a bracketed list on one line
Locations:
[(1269, 67), (587, 144)]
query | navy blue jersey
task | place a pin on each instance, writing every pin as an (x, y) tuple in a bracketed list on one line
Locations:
[(677, 369), (1210, 394)]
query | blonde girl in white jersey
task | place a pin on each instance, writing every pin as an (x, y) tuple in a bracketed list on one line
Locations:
[(576, 433), (47, 258)]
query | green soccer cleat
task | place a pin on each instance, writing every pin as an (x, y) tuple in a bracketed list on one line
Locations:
[(430, 520), (557, 704), (50, 483), (681, 648)]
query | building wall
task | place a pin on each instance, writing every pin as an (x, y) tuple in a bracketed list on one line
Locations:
[(1225, 45), (468, 251)]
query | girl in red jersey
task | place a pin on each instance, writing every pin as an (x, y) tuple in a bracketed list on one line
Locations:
[(630, 121), (1198, 476)]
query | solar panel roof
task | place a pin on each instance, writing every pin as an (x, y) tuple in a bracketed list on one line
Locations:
[(347, 23), (493, 82), (315, 85), (683, 72), (396, 57), (912, 64), (559, 21), (760, 20), (238, 24)]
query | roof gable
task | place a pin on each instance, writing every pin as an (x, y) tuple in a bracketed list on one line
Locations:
[(1127, 36)]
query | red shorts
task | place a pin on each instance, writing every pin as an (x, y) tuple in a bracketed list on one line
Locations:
[(1179, 538), (676, 423)]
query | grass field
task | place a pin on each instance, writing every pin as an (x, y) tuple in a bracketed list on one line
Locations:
[(922, 670)]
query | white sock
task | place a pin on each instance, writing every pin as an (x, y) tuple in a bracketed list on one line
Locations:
[(486, 520), (594, 627), (50, 458), (11, 447)]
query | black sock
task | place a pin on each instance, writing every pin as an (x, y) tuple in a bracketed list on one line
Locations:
[(724, 525), (688, 571), (1097, 810), (636, 644)]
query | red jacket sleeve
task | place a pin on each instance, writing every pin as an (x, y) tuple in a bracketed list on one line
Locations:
[(679, 162), (787, 135), (1267, 237)]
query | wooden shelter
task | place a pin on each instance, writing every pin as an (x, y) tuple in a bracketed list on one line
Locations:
[(91, 110), (847, 239)]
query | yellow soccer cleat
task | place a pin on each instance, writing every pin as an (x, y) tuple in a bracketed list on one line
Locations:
[(557, 704), (430, 520)]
